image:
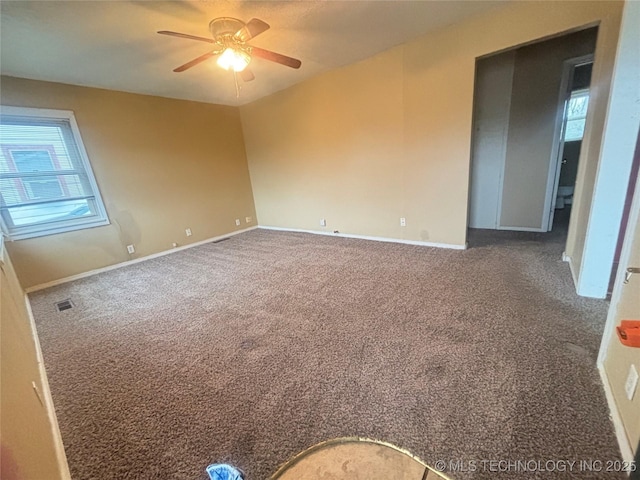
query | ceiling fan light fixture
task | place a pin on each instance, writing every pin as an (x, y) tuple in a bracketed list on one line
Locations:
[(236, 60)]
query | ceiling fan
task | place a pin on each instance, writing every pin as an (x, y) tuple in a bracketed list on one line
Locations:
[(230, 37)]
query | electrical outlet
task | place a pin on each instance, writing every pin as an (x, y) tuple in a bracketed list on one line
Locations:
[(237, 222), (632, 382), (131, 249), (323, 222), (247, 219), (188, 232), (403, 222)]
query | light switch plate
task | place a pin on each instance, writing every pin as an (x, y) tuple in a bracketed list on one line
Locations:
[(632, 382)]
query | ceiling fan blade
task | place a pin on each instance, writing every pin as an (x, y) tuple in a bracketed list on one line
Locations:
[(194, 62), (253, 28), (275, 57), (247, 75), (184, 35)]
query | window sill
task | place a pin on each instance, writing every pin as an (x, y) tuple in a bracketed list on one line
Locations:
[(57, 230)]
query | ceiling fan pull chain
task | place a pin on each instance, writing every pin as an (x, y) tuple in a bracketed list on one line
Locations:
[(235, 79)]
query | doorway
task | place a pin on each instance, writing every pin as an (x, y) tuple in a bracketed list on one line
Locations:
[(526, 102), (572, 114)]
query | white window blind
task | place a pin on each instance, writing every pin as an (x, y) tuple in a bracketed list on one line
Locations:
[(46, 182)]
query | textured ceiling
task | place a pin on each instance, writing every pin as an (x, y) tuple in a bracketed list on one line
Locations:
[(114, 44)]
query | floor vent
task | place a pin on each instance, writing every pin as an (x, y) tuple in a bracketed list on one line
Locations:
[(64, 305), (221, 240)]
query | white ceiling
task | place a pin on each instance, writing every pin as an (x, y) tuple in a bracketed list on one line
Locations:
[(114, 44)]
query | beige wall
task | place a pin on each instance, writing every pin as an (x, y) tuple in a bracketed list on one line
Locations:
[(28, 441), (390, 137), (532, 121), (162, 166), (323, 152), (617, 363)]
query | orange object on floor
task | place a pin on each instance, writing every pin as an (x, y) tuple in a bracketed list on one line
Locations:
[(629, 333)]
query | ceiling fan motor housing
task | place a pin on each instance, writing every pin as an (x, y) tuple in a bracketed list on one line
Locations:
[(224, 26)]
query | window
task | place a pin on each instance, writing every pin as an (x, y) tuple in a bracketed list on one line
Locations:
[(576, 115), (46, 182)]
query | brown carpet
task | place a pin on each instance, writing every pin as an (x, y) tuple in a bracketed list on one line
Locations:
[(253, 349)]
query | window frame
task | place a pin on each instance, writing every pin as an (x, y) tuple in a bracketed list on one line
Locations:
[(583, 92), (101, 217)]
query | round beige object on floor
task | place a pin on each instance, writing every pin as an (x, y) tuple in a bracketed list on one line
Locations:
[(355, 458)]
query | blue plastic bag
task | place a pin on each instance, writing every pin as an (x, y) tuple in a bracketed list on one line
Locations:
[(222, 471)]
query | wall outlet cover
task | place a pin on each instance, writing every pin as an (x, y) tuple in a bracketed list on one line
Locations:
[(403, 222), (247, 219), (188, 232), (237, 222), (131, 249)]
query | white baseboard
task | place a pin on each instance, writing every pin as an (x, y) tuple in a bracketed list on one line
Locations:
[(574, 276), (47, 399), (131, 262), (367, 237), (621, 435), (521, 229)]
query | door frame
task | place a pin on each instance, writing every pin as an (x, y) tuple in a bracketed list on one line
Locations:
[(609, 327), (557, 147)]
